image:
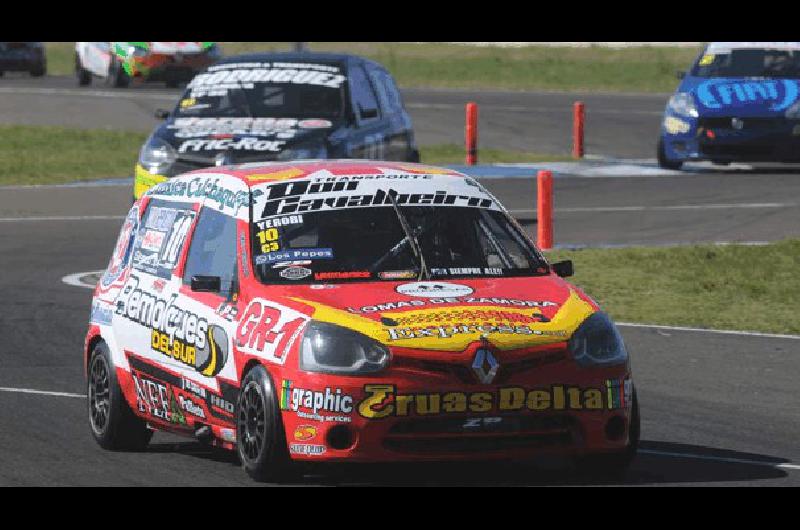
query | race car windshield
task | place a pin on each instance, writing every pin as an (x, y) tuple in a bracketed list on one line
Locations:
[(267, 92), (361, 244), (749, 63)]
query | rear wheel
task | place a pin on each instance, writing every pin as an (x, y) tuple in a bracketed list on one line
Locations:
[(261, 441), (84, 76), (113, 424), (39, 70), (614, 465), (665, 162)]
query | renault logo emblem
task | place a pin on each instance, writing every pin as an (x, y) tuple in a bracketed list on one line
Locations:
[(219, 160), (485, 366)]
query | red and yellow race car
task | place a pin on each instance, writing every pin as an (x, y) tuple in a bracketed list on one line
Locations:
[(350, 311)]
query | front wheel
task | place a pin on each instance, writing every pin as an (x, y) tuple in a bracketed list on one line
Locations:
[(117, 75), (665, 162), (261, 441), (113, 424)]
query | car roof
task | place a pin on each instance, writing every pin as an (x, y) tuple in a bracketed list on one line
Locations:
[(257, 173), (296, 57), (723, 47)]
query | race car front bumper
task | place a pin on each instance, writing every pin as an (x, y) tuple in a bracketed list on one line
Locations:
[(732, 139), (168, 67), (553, 410)]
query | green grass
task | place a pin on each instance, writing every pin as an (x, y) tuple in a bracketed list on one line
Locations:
[(648, 69), (737, 287), (442, 154), (52, 155)]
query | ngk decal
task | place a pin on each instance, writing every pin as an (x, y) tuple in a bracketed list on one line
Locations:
[(268, 330)]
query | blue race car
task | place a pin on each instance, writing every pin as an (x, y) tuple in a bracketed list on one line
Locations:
[(738, 103)]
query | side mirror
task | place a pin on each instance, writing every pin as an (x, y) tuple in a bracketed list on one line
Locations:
[(680, 74), (206, 284), (563, 268), (368, 114), (161, 114)]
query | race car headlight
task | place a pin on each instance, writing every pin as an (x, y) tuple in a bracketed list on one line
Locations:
[(793, 112), (597, 342), (328, 348), (135, 51), (683, 104), (303, 153), (157, 156)]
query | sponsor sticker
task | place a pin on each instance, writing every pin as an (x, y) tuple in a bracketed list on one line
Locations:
[(307, 449), (295, 273), (434, 289)]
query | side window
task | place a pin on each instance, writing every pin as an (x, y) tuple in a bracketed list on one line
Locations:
[(161, 237), (213, 250), (364, 100), (387, 91)]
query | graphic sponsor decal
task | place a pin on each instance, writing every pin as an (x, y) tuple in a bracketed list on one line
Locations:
[(299, 196), (314, 124), (390, 306), (268, 330), (445, 332), (226, 144), (283, 128), (101, 313), (178, 333), (307, 449), (397, 275), (121, 256), (716, 93), (277, 222), (217, 81), (467, 271), (161, 240), (384, 400), (295, 254), (303, 433), (326, 405), (157, 399), (433, 289), (203, 188), (295, 273), (477, 315), (337, 275)]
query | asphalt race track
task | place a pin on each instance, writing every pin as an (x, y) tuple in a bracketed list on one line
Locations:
[(717, 409)]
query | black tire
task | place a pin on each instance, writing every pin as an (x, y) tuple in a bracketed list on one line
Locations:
[(113, 424), (665, 162), (615, 465), (39, 70), (172, 83), (117, 75), (84, 76), (261, 440)]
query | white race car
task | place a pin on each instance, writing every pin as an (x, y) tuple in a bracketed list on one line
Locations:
[(120, 62)]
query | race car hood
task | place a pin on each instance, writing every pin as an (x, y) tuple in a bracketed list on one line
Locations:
[(742, 97), (510, 313), (243, 139)]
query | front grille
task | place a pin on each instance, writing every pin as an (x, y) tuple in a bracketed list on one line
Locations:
[(462, 372), (186, 163), (747, 124), (436, 435)]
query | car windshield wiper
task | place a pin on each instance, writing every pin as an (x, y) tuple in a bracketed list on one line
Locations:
[(410, 236)]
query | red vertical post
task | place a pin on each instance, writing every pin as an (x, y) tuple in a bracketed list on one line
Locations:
[(578, 116), (471, 134), (544, 210)]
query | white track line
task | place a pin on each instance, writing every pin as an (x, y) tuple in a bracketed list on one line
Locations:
[(793, 467), (42, 392), (62, 218), (75, 279), (719, 331)]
